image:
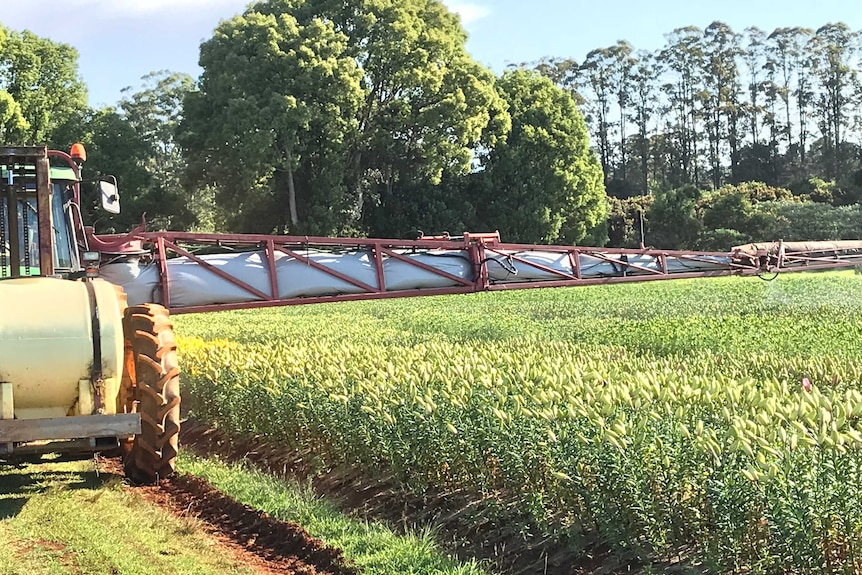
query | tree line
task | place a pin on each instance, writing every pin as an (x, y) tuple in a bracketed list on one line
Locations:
[(715, 107), (369, 117), (721, 137)]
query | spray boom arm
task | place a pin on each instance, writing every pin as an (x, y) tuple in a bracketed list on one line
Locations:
[(191, 272)]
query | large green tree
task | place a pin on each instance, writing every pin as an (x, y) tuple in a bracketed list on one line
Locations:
[(426, 102), (135, 142), (40, 81), (114, 149), (272, 121), (673, 219), (153, 113), (315, 110), (13, 126), (543, 184)]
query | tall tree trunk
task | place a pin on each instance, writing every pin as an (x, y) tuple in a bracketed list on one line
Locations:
[(733, 138), (357, 166), (291, 193), (644, 163)]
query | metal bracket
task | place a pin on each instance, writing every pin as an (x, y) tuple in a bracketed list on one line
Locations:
[(82, 426)]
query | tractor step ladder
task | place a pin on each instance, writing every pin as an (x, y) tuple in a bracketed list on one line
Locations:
[(25, 249)]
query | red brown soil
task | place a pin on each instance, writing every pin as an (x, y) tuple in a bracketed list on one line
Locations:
[(249, 536)]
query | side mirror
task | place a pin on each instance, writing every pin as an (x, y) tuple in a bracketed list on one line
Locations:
[(110, 197)]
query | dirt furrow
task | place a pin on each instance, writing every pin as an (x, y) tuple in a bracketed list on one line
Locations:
[(267, 544)]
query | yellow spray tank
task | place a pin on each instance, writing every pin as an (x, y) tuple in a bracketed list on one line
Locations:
[(48, 347)]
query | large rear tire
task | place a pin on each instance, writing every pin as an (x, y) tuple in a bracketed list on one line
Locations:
[(156, 388)]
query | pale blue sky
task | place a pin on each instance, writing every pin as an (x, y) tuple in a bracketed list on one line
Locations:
[(120, 41)]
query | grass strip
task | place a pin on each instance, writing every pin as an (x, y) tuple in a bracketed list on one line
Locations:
[(61, 517)]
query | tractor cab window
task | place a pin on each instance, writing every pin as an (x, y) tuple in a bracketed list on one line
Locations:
[(28, 239), (65, 253), (27, 223)]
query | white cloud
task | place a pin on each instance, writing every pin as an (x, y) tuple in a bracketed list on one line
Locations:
[(468, 12)]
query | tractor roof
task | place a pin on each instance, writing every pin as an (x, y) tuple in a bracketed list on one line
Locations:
[(63, 173), (58, 173)]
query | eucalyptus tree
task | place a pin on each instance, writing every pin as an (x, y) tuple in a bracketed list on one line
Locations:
[(682, 58), (787, 55), (832, 51), (759, 154), (608, 72), (783, 48), (722, 100), (803, 94), (564, 72), (597, 69), (624, 61), (754, 56), (644, 101)]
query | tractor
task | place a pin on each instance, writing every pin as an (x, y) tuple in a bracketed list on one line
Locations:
[(80, 370)]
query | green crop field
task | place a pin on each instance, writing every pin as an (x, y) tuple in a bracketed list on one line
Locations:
[(719, 416)]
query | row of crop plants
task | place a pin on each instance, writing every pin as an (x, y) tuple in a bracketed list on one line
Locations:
[(750, 457)]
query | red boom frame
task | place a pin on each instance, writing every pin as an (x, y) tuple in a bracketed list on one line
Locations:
[(477, 248)]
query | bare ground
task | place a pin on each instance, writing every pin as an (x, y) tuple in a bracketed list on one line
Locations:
[(266, 544)]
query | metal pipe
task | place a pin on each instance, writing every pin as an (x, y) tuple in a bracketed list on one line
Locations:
[(44, 215)]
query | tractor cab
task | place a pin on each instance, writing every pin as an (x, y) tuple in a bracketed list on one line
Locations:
[(41, 232)]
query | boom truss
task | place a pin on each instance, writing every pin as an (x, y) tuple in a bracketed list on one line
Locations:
[(192, 272)]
